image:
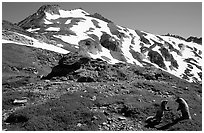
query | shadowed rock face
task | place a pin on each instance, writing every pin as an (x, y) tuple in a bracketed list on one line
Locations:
[(142, 38), (52, 9), (36, 19), (68, 64), (114, 46), (169, 57), (109, 42), (156, 58), (114, 29), (194, 39)]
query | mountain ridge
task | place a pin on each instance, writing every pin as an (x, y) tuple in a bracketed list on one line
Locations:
[(97, 37)]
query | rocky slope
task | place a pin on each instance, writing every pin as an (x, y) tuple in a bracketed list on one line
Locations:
[(83, 93)]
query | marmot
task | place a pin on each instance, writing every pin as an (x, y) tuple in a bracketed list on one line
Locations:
[(183, 106), (159, 113)]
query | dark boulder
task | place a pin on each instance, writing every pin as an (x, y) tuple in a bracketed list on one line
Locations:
[(67, 64), (109, 42)]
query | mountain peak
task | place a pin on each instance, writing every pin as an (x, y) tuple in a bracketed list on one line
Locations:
[(49, 8)]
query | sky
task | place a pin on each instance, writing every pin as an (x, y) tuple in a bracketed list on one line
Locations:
[(180, 18)]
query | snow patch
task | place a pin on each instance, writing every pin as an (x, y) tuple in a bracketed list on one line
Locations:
[(47, 22), (32, 30), (51, 16), (72, 39), (53, 29), (72, 13), (37, 44), (68, 21)]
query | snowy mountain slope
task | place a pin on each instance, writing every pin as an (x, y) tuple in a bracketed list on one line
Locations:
[(97, 37), (21, 39)]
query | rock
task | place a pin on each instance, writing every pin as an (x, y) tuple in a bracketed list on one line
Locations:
[(79, 124), (186, 88), (40, 87), (47, 81), (109, 42), (180, 92), (89, 46), (106, 113), (173, 86), (20, 101), (156, 58), (80, 71), (93, 98), (73, 59), (121, 118), (14, 68), (94, 118), (106, 128), (68, 64), (40, 76), (85, 79), (63, 79), (87, 76), (109, 119)]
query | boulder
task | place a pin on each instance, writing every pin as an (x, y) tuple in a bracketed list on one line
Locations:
[(67, 64), (89, 46)]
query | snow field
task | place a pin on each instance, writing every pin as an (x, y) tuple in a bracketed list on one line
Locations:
[(38, 44), (53, 29)]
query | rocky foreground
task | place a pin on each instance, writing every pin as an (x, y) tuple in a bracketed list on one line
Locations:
[(81, 93)]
